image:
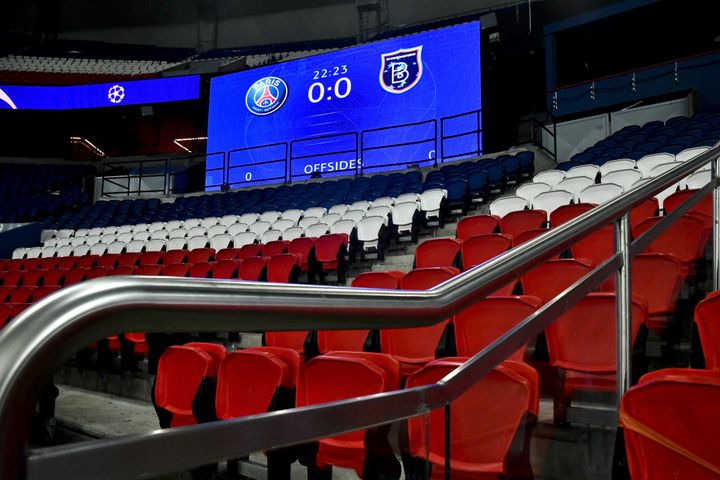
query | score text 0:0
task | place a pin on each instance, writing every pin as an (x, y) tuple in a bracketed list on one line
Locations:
[(316, 92)]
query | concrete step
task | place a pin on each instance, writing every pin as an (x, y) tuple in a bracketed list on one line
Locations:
[(381, 267)]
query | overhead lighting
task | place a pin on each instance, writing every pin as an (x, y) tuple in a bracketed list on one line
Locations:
[(89, 145), (179, 142)]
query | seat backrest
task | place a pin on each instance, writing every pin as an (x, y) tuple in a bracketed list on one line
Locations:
[(548, 279), (172, 257), (481, 248), (176, 270), (550, 177), (437, 252), (613, 165), (388, 279), (530, 190), (476, 225), (156, 245), (478, 326), (283, 268), (684, 238), (653, 406), (237, 228), (247, 383), (549, 201), (504, 205), (647, 163), (317, 230), (252, 268), (583, 338), (707, 316), (514, 223), (600, 193), (368, 229), (292, 233), (490, 414), (245, 238), (588, 170), (149, 270), (185, 376), (226, 269), (566, 213), (249, 251), (328, 247)]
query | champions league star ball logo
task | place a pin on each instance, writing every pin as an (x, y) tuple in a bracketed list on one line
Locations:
[(401, 70), (5, 98), (266, 95), (116, 94)]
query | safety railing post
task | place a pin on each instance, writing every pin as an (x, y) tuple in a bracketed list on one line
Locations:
[(715, 164), (623, 297)]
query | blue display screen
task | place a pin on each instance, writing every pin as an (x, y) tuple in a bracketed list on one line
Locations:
[(412, 100), (115, 94)]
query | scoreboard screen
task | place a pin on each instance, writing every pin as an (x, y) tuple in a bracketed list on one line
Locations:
[(379, 106), (115, 94)]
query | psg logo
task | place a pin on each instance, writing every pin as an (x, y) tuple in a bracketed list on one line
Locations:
[(116, 94), (401, 70), (266, 95)]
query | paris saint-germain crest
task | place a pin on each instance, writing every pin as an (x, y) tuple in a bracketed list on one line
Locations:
[(266, 95), (401, 70)]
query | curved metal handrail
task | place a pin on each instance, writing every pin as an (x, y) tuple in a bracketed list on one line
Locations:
[(47, 333)]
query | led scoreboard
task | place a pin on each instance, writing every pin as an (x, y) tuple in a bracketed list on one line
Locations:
[(379, 106)]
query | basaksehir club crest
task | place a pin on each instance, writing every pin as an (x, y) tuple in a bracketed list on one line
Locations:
[(401, 70), (266, 95)]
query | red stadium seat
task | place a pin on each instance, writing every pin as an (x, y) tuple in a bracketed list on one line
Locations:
[(55, 276), (11, 278), (330, 251), (284, 268), (707, 318), (526, 236), (227, 254), (597, 247), (514, 223), (128, 259), (582, 343), (483, 323), (567, 212), (547, 280), (97, 272), (253, 269), (184, 391), (684, 239), (21, 294), (201, 270), (477, 225), (354, 340), (293, 340), (123, 270), (255, 381), (226, 269), (648, 208), (670, 425), (273, 248), (704, 206), (414, 347), (174, 257), (199, 255), (74, 276), (176, 270), (33, 278), (3, 262), (44, 291), (6, 314), (342, 375), (481, 248), (87, 261), (14, 265), (248, 251), (438, 252), (495, 412), (151, 258), (108, 260), (31, 264), (67, 262), (49, 263), (305, 247), (659, 279), (149, 270), (5, 293)]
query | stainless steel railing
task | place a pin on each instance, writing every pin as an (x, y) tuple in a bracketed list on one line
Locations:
[(46, 334)]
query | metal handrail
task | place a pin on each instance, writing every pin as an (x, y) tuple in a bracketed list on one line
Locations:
[(38, 341)]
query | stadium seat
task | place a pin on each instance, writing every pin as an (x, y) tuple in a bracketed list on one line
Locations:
[(498, 412), (706, 319), (661, 447), (549, 201), (550, 177), (481, 248), (414, 347), (438, 252), (330, 251), (548, 279), (201, 255), (253, 269), (184, 390), (582, 343), (284, 268), (273, 248), (530, 190), (200, 270), (173, 257), (226, 269), (504, 205), (149, 270), (514, 223), (176, 270), (476, 225), (478, 326), (342, 375), (685, 239)]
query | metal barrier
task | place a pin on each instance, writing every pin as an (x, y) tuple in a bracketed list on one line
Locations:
[(250, 168), (444, 137), (129, 181), (38, 341)]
